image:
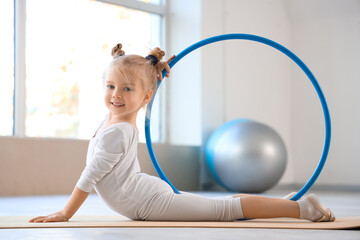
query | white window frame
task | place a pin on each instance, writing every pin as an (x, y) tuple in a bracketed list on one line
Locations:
[(142, 6), (19, 56), (19, 68)]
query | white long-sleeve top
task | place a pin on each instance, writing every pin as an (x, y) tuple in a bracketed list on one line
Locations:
[(113, 169)]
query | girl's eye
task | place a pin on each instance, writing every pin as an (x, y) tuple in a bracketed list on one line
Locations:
[(110, 86), (127, 89)]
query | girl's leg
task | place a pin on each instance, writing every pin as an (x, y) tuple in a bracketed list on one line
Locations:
[(265, 207), (191, 207), (242, 195), (309, 208), (289, 196)]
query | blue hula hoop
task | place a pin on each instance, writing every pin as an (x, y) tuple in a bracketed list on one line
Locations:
[(282, 49)]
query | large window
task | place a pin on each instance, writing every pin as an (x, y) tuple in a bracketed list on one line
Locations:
[(67, 47), (6, 67)]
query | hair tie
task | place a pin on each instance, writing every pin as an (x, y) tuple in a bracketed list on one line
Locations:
[(152, 59)]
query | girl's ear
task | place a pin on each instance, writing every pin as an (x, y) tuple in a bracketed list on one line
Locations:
[(148, 97)]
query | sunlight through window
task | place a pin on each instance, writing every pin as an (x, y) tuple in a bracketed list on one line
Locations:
[(68, 45), (7, 67)]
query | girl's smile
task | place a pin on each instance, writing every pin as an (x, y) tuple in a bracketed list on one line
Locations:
[(116, 104)]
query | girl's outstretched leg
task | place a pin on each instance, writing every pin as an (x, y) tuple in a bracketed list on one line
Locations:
[(288, 196), (309, 208), (265, 207), (191, 207)]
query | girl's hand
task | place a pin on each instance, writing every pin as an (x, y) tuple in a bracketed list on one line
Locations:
[(77, 198), (55, 217), (161, 65)]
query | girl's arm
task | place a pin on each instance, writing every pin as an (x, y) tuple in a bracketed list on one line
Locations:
[(76, 200)]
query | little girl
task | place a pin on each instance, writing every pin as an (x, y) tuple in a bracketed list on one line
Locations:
[(112, 166)]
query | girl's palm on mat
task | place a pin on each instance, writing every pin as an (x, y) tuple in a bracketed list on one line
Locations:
[(55, 217)]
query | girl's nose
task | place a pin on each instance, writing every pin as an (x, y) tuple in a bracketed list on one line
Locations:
[(116, 95)]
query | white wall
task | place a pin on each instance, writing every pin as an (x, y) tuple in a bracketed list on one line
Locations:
[(326, 35), (243, 79)]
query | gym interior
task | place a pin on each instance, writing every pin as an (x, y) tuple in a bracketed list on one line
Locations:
[(222, 82)]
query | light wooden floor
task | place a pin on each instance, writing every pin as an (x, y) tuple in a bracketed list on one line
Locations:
[(341, 203)]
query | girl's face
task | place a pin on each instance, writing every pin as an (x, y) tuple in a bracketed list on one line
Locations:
[(124, 98)]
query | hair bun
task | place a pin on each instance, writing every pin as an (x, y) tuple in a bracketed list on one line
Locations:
[(116, 51), (158, 53)]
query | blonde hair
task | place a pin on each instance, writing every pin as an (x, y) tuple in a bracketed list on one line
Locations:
[(129, 66)]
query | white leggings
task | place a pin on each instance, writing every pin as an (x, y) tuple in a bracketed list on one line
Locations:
[(169, 206)]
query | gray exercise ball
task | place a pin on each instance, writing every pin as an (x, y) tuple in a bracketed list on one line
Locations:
[(246, 156)]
